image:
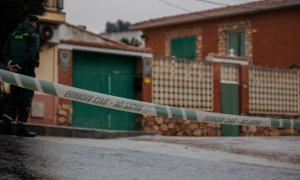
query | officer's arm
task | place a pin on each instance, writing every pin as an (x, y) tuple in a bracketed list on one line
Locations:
[(31, 50)]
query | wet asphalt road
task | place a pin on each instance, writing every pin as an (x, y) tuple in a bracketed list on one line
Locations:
[(167, 158)]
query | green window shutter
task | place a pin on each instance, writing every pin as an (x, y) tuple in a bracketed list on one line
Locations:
[(242, 44), (184, 47), (175, 47), (236, 41)]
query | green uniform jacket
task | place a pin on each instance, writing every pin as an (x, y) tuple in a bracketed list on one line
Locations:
[(22, 47)]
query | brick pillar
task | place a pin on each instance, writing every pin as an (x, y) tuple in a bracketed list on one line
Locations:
[(217, 86), (65, 67), (244, 89), (64, 108), (144, 72), (147, 89)]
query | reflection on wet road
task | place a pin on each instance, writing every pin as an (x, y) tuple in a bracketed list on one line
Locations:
[(150, 157), (264, 147)]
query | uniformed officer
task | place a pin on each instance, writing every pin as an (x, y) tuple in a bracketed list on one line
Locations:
[(21, 56)]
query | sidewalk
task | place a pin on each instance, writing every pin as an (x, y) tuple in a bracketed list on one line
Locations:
[(63, 131)]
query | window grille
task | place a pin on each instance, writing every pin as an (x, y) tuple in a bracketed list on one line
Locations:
[(274, 91), (230, 73), (186, 84)]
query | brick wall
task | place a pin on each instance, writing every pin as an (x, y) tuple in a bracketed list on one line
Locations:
[(277, 40), (155, 39), (209, 38), (50, 109), (273, 38)]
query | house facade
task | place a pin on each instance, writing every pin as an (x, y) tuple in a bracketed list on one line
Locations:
[(93, 62), (73, 56), (239, 60), (267, 32), (100, 64)]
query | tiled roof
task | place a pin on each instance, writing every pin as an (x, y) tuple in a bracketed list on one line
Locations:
[(96, 35), (242, 9), (107, 46)]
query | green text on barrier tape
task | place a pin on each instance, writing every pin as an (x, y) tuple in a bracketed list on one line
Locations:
[(128, 105)]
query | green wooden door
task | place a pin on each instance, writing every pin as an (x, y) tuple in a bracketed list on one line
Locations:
[(230, 105), (109, 74), (236, 41)]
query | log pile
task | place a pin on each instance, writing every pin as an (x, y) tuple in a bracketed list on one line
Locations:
[(265, 131), (64, 114), (268, 131), (171, 127)]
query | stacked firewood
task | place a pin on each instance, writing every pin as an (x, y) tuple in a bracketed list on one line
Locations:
[(268, 131), (263, 131), (171, 127), (64, 115)]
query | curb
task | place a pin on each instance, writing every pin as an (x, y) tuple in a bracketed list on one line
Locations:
[(62, 131)]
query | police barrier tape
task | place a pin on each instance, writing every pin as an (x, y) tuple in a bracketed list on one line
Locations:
[(128, 105)]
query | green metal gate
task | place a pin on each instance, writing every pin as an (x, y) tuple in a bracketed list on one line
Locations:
[(109, 74), (230, 105)]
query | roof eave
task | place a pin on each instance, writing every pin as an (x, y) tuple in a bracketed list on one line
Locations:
[(201, 17), (182, 21), (104, 48)]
